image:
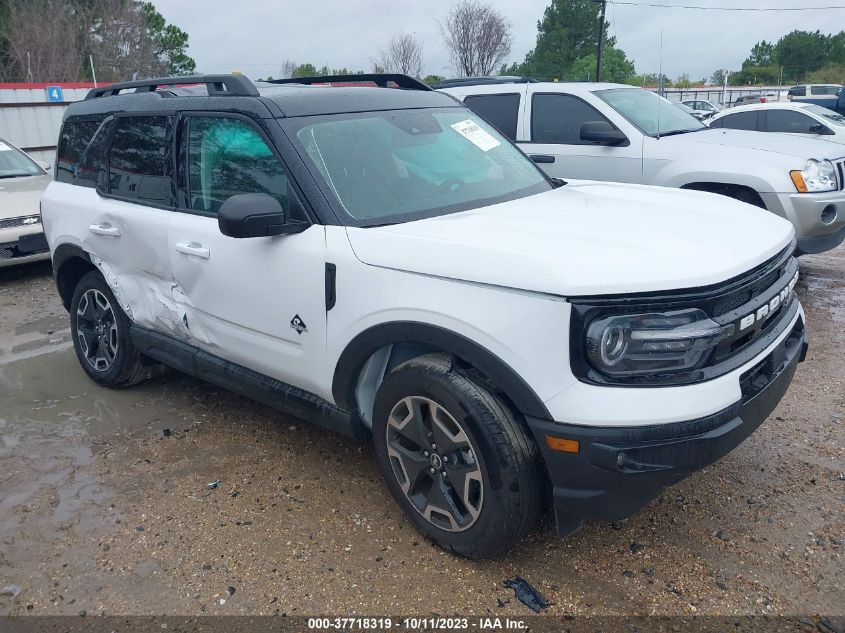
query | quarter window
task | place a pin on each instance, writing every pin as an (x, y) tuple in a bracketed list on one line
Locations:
[(139, 162), (789, 121), (91, 169), (73, 140), (501, 111), (558, 118), (227, 157)]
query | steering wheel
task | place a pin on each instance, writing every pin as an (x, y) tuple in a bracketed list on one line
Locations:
[(452, 184)]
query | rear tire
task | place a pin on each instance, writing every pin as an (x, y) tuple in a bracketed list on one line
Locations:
[(460, 464), (100, 332)]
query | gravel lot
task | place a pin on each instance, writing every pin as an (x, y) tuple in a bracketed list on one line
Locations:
[(104, 504)]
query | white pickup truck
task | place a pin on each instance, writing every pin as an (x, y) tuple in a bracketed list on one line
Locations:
[(603, 131)]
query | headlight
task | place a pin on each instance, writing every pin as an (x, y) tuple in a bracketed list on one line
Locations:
[(656, 342), (816, 176)]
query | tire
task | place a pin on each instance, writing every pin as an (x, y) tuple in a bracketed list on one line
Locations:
[(489, 495), (100, 332)]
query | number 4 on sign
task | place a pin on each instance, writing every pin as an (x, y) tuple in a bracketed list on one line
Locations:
[(54, 93)]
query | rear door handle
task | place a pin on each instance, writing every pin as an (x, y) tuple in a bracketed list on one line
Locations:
[(104, 229), (541, 158), (193, 248)]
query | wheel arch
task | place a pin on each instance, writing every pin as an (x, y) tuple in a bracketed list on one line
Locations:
[(70, 263), (725, 189), (407, 339)]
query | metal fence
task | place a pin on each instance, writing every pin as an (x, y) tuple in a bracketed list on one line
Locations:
[(725, 97), (31, 114)]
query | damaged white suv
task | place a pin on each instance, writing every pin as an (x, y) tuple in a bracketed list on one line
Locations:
[(379, 260)]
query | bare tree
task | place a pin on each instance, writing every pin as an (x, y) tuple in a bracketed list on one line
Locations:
[(287, 69), (120, 43), (478, 38), (44, 41), (403, 54)]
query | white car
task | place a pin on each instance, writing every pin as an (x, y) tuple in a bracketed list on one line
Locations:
[(602, 131), (384, 263), (22, 181), (799, 119), (703, 109)]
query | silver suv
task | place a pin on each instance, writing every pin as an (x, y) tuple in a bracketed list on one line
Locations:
[(603, 131)]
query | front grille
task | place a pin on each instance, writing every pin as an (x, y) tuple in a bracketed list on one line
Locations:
[(840, 168), (9, 223)]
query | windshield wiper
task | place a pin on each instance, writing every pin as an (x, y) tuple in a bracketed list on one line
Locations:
[(675, 132), (15, 175)]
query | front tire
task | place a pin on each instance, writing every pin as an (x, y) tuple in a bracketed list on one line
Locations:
[(456, 459), (100, 332)]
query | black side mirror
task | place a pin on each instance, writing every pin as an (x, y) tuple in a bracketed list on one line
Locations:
[(602, 133), (256, 215), (820, 128)]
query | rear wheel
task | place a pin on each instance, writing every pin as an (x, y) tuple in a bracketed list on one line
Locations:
[(100, 331), (458, 462)]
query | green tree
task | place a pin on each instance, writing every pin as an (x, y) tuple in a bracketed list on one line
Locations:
[(683, 81), (718, 77), (801, 52), (615, 67), (170, 42), (432, 79), (762, 54), (567, 32)]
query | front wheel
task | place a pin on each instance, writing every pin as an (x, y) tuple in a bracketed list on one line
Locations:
[(457, 460), (100, 332)]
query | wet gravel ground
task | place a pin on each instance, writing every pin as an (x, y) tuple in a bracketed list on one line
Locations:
[(105, 506)]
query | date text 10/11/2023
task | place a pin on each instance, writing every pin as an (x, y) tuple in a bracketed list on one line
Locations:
[(415, 624)]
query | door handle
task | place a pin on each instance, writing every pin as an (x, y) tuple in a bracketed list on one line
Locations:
[(193, 248), (541, 158), (104, 229)]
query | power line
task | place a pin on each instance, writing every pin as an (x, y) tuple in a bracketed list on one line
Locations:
[(701, 8)]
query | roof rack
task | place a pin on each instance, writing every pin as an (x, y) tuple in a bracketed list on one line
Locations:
[(217, 85), (478, 81), (380, 79)]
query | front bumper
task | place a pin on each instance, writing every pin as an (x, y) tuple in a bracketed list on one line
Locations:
[(818, 218), (25, 247), (617, 470)]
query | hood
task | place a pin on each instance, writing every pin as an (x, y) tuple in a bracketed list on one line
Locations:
[(21, 196), (586, 238), (786, 144)]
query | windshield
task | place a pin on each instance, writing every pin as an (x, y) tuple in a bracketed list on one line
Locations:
[(15, 163), (830, 115), (400, 165), (652, 114)]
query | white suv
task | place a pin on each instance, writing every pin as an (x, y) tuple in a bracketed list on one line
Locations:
[(613, 132), (384, 263)]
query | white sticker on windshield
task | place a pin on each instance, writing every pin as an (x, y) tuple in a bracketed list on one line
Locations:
[(475, 135), (4, 147)]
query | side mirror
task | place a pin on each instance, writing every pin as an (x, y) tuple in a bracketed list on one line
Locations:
[(602, 133), (256, 215), (820, 128), (43, 164)]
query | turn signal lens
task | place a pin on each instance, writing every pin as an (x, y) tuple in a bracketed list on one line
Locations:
[(798, 181), (562, 444)]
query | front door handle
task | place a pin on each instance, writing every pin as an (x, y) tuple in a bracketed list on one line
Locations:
[(104, 229), (193, 248), (541, 158)]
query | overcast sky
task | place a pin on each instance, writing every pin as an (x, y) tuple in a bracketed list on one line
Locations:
[(256, 36)]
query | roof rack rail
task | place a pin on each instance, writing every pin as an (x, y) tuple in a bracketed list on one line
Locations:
[(217, 85), (479, 81), (380, 79)]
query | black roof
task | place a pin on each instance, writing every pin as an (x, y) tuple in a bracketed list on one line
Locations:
[(266, 100)]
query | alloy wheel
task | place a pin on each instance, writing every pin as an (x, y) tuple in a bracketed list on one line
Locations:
[(435, 463), (96, 330)]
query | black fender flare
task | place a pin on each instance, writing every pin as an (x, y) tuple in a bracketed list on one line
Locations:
[(63, 255), (369, 341)]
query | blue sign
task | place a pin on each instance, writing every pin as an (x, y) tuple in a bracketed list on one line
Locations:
[(54, 93)]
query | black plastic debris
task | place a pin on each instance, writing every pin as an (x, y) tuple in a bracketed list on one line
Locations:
[(527, 594)]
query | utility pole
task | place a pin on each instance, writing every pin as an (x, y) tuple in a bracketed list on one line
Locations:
[(601, 38)]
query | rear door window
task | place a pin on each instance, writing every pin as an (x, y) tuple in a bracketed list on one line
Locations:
[(830, 91), (738, 121), (558, 118), (140, 160), (500, 111), (91, 168)]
